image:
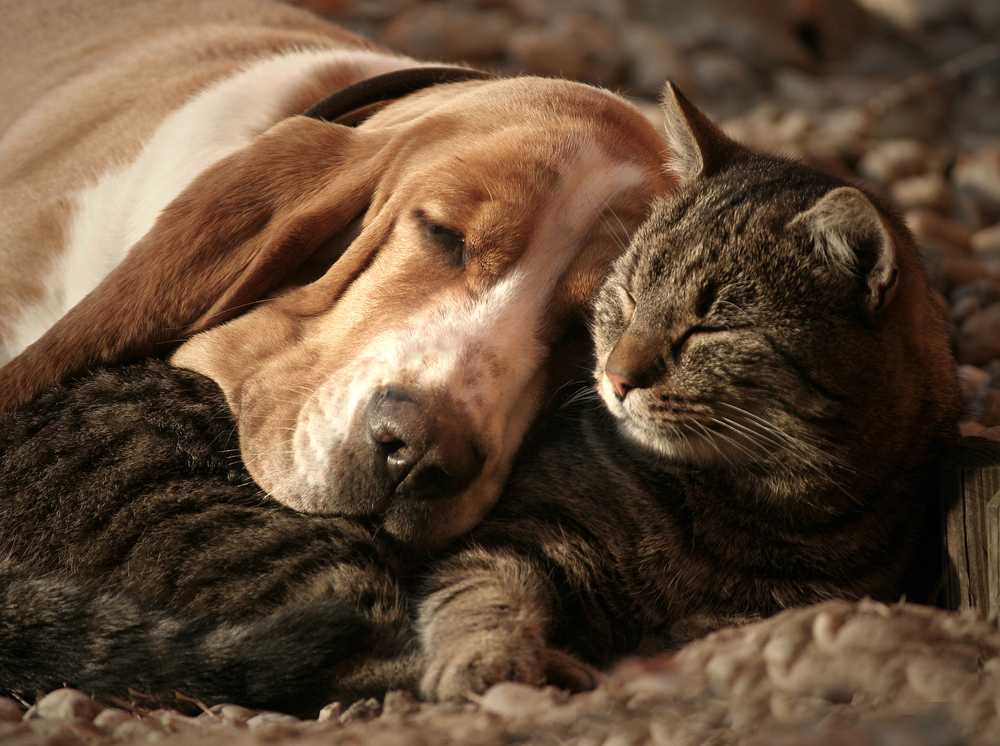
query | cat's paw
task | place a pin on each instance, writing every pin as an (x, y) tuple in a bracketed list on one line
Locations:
[(474, 664)]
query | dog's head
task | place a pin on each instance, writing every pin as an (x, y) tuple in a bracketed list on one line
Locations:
[(470, 225)]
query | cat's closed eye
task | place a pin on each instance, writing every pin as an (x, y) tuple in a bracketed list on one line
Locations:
[(707, 296)]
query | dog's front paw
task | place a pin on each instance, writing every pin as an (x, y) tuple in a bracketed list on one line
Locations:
[(474, 664)]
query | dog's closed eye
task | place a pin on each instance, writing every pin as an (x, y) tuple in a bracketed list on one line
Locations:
[(449, 240)]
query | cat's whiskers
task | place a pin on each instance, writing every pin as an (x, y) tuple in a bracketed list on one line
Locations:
[(808, 455), (709, 437), (791, 441), (585, 394), (733, 442)]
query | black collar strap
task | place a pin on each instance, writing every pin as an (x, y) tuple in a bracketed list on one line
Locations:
[(352, 105)]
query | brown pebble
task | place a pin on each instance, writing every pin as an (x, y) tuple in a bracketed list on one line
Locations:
[(135, 730), (930, 191), (895, 159), (111, 718), (992, 433), (989, 413), (979, 337), (979, 172), (961, 271), (987, 241), (62, 733), (233, 713), (362, 710), (332, 711), (935, 231), (971, 429), (973, 378), (399, 703), (172, 721), (266, 719), (10, 710), (512, 699), (69, 705)]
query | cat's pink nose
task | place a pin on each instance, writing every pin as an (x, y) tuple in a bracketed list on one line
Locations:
[(620, 384)]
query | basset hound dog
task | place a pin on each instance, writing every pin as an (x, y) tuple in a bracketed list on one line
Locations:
[(377, 260)]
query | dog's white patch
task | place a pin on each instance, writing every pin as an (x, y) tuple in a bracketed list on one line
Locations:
[(484, 351), (120, 208)]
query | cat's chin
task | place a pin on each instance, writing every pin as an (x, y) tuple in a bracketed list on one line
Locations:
[(693, 448), (680, 446)]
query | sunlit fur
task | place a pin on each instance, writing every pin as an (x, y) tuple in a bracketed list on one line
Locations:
[(601, 545), (782, 375)]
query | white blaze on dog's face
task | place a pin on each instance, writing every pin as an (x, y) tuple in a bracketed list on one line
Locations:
[(402, 392)]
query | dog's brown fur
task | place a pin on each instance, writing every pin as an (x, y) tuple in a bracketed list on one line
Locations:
[(493, 159)]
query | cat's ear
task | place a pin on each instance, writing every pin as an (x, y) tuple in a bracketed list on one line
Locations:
[(697, 147), (850, 233)]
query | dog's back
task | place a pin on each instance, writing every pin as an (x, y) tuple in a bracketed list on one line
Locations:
[(85, 85)]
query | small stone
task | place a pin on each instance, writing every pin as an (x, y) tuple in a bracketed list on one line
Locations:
[(11, 731), (62, 733), (972, 378), (10, 710), (972, 297), (724, 78), (979, 337), (895, 159), (361, 711), (512, 699), (989, 412), (974, 383), (654, 60), (987, 15), (807, 91), (267, 719), (439, 30), (111, 718), (172, 720), (69, 705), (233, 713), (986, 241), (979, 173), (936, 232), (844, 128), (399, 702), (574, 46), (971, 429), (962, 271), (929, 190), (135, 730), (332, 711), (993, 371), (992, 433), (913, 14)]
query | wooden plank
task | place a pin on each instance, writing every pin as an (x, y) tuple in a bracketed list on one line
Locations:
[(970, 493), (993, 551)]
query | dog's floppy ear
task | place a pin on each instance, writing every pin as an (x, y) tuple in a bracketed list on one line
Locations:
[(233, 236)]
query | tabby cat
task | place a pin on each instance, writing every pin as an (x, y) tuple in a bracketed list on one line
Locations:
[(774, 375)]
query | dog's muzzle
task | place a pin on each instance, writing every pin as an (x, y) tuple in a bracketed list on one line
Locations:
[(421, 448)]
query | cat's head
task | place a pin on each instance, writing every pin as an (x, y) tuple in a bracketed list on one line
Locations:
[(770, 317)]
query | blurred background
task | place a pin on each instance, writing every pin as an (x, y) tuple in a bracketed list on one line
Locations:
[(901, 95)]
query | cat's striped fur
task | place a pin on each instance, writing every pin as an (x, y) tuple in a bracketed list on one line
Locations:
[(138, 553), (771, 449)]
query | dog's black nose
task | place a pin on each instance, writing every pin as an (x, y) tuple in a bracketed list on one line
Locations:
[(427, 454)]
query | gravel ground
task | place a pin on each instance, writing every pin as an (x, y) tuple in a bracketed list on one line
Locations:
[(902, 95), (834, 674)]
